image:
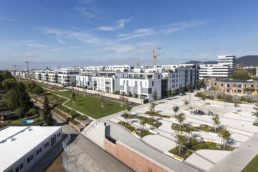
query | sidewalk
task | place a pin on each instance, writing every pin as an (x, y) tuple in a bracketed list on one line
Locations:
[(239, 158)]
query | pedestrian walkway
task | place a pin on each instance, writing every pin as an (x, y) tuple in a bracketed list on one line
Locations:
[(239, 158)]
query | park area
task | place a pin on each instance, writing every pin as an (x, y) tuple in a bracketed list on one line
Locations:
[(94, 107), (187, 128)]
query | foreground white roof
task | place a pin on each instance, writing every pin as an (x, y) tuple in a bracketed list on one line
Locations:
[(15, 142)]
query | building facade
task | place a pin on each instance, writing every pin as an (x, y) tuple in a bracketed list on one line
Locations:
[(21, 147)]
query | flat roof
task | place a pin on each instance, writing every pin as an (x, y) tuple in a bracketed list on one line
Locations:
[(16, 141)]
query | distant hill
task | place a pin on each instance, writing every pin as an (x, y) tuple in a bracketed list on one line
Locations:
[(249, 60), (197, 62)]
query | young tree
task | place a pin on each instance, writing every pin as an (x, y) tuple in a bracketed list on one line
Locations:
[(180, 118), (255, 113), (180, 89), (196, 85), (189, 87), (216, 121), (125, 115), (152, 110), (180, 139), (121, 101), (175, 109), (142, 122), (236, 105), (170, 94), (47, 112), (155, 95), (226, 136), (188, 130), (129, 108), (102, 101), (73, 98)]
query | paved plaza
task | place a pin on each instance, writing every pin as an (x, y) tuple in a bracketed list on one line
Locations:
[(238, 121)]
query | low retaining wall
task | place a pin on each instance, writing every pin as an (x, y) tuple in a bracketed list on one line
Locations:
[(132, 158), (115, 96)]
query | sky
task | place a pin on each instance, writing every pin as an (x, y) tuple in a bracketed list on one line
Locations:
[(62, 33)]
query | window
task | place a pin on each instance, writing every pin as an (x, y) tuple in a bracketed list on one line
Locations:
[(158, 76), (152, 83), (221, 85), (28, 160), (21, 165), (239, 91), (17, 169)]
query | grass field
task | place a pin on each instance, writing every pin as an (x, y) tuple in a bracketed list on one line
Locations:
[(91, 106), (252, 166)]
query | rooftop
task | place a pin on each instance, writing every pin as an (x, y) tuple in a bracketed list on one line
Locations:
[(17, 141)]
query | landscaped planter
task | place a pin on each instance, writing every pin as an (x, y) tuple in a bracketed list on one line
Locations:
[(174, 156), (81, 122), (75, 126)]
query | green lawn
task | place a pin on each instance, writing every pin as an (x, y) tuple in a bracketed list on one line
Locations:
[(252, 166), (91, 106)]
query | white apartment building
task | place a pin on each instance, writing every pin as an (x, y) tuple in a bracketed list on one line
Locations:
[(53, 76), (214, 71), (21, 147), (44, 75), (142, 84), (225, 68), (67, 76), (229, 60), (104, 81), (93, 68), (118, 68)]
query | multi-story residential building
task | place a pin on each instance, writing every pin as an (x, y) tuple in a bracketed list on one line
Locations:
[(141, 84), (53, 76), (124, 79), (214, 71), (105, 81), (67, 76), (44, 75), (93, 68), (118, 68), (229, 60), (234, 86), (38, 75), (225, 67)]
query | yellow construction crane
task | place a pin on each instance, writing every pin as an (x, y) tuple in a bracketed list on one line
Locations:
[(137, 62), (154, 57)]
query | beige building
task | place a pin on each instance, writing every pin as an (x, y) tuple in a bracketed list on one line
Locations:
[(234, 86)]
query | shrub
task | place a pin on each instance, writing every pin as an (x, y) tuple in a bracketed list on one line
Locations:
[(199, 94), (32, 111)]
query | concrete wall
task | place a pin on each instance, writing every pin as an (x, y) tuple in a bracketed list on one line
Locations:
[(132, 158), (115, 96)]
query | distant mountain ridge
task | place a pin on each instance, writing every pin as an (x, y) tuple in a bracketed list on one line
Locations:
[(248, 60)]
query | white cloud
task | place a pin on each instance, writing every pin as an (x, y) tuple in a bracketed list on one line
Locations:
[(86, 1), (82, 10), (137, 34), (184, 25), (118, 25), (251, 40), (2, 18), (28, 43)]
